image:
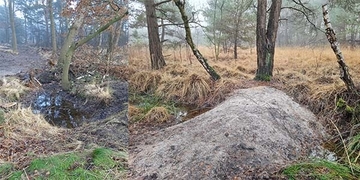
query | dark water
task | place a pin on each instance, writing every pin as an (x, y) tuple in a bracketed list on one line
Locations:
[(58, 111)]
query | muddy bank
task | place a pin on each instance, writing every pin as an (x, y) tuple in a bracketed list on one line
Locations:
[(252, 134)]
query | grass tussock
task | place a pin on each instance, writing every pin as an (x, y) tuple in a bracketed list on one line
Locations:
[(320, 169), (145, 81), (11, 89), (221, 90), (22, 122), (157, 115), (177, 70), (191, 89)]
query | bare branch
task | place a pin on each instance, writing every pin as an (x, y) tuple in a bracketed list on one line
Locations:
[(162, 2), (306, 16)]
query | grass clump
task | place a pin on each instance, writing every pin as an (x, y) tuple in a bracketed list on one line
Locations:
[(157, 114), (150, 108), (192, 89), (5, 169), (354, 149), (144, 81), (100, 163), (320, 169), (12, 89)]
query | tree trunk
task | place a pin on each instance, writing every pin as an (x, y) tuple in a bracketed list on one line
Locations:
[(7, 34), (344, 70), (162, 40), (70, 45), (52, 27), (156, 55), (189, 40), (113, 40), (68, 50), (47, 33), (25, 28), (352, 37), (266, 38), (236, 42), (12, 23)]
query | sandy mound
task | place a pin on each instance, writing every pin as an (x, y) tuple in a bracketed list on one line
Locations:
[(250, 135)]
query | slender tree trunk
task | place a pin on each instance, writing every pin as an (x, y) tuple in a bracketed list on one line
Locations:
[(266, 38), (13, 29), (52, 26), (352, 36), (162, 31), (25, 33), (7, 34), (196, 52), (113, 40), (47, 31), (236, 40), (344, 70), (156, 55)]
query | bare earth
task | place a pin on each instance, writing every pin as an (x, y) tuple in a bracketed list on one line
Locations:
[(26, 59)]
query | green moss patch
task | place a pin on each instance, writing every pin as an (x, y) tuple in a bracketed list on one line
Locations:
[(100, 163)]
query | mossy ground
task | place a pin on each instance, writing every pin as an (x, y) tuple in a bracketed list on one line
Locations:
[(100, 163)]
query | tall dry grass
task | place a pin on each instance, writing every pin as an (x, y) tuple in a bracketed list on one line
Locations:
[(311, 75)]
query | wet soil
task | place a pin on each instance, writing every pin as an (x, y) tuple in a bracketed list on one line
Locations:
[(91, 121)]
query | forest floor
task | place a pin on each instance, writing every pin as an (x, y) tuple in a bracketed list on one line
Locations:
[(39, 120), (25, 59)]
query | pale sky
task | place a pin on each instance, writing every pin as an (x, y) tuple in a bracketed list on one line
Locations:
[(198, 3)]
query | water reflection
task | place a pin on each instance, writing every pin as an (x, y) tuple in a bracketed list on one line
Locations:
[(58, 111)]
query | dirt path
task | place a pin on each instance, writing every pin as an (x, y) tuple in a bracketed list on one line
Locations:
[(27, 58)]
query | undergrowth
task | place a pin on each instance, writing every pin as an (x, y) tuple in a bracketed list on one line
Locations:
[(150, 108), (100, 163), (321, 169)]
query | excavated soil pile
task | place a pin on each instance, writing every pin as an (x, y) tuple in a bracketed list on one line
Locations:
[(251, 135)]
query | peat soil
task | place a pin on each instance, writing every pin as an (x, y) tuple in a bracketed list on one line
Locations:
[(102, 123)]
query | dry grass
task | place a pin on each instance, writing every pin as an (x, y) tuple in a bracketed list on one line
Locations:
[(133, 112), (12, 89), (144, 81), (311, 75), (157, 115), (22, 123), (190, 89), (96, 91)]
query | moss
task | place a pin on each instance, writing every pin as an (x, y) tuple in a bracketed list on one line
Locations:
[(263, 77), (93, 164), (349, 109), (341, 103)]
